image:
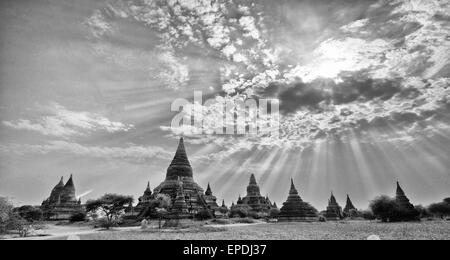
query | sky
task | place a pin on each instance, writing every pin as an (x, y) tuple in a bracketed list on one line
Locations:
[(86, 88)]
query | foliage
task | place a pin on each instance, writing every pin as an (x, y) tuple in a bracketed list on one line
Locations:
[(239, 212), (352, 214), (368, 215), (387, 210), (113, 206), (441, 209), (30, 213), (274, 213), (322, 218), (203, 215), (78, 217), (423, 212), (10, 220)]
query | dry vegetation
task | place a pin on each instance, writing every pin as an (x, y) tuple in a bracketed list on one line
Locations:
[(359, 230)]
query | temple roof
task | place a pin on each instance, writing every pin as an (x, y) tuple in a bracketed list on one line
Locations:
[(208, 191), (180, 166), (293, 190), (333, 199), (70, 183), (253, 180), (399, 190)]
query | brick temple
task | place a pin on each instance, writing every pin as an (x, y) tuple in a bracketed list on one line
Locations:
[(62, 203)]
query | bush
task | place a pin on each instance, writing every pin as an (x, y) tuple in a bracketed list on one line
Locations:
[(30, 213), (203, 215), (239, 213), (441, 209), (78, 217), (322, 219), (368, 215), (274, 213), (106, 224), (387, 210), (423, 212)]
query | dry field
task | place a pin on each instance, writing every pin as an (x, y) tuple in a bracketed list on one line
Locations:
[(352, 230)]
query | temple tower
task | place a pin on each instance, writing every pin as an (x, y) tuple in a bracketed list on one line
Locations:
[(349, 206), (295, 209), (334, 211), (254, 200)]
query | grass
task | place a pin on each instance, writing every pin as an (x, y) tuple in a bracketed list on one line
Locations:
[(351, 230)]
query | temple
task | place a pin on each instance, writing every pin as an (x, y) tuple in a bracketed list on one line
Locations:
[(188, 198), (295, 209), (334, 211), (62, 203), (349, 206), (403, 201), (254, 200)]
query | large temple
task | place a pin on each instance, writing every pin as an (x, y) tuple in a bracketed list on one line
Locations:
[(295, 209), (254, 201), (188, 198), (62, 203)]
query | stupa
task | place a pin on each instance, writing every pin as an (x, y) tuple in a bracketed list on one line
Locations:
[(145, 198), (179, 182), (210, 199), (408, 210), (334, 211), (349, 206), (62, 203), (295, 209)]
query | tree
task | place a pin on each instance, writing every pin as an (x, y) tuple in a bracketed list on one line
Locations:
[(388, 210), (10, 220), (30, 213), (162, 203), (112, 206), (447, 200), (441, 209), (274, 213), (383, 208)]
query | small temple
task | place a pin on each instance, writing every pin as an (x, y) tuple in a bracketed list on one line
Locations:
[(254, 201), (62, 203), (334, 211), (295, 209), (402, 200), (349, 206)]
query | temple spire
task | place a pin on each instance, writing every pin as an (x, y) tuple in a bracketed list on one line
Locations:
[(70, 182), (180, 165), (253, 180), (293, 190), (180, 157), (208, 190)]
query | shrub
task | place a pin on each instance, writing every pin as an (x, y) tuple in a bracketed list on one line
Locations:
[(203, 215), (274, 213), (423, 212), (239, 212), (322, 219), (78, 217), (106, 224), (30, 213), (441, 209), (353, 214), (387, 210), (368, 215)]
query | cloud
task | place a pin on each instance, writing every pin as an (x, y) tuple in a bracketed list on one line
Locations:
[(61, 122), (132, 153)]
